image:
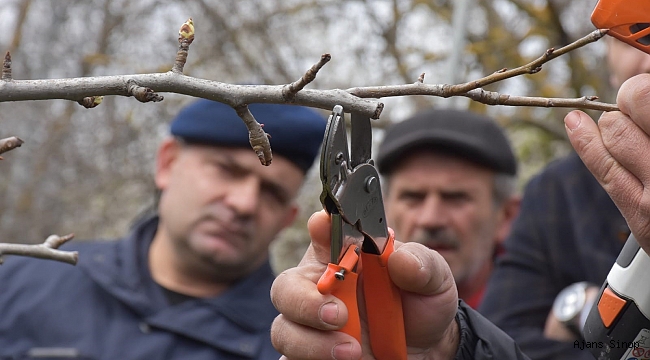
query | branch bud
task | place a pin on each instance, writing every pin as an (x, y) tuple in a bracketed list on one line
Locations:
[(187, 30)]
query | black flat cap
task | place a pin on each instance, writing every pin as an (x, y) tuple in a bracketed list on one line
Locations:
[(468, 135)]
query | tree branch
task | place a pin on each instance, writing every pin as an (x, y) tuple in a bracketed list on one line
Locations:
[(145, 87), (47, 250)]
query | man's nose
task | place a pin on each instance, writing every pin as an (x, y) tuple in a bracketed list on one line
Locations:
[(433, 213), (243, 195)]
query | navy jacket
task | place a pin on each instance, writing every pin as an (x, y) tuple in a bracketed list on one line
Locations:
[(108, 307), (568, 230)]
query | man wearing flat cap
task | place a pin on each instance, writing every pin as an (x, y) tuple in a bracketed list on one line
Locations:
[(450, 184), (192, 281)]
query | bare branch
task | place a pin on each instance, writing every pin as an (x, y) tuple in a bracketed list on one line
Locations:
[(47, 250), (185, 38), (145, 88), (9, 143), (6, 67), (531, 68), (290, 90), (233, 95), (494, 98)]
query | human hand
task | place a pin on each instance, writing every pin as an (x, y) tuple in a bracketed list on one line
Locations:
[(306, 327), (615, 151)]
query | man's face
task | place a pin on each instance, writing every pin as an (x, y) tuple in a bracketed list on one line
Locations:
[(445, 203), (220, 208), (625, 61)]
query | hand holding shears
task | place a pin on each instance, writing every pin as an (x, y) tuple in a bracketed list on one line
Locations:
[(360, 240)]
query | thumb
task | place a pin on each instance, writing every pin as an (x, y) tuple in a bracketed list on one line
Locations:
[(319, 229)]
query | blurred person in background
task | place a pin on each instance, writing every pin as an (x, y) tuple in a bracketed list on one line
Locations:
[(450, 183), (190, 282), (562, 246)]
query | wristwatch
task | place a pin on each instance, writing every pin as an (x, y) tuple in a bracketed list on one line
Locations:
[(569, 306)]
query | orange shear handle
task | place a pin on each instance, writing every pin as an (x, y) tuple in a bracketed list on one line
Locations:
[(383, 306), (382, 299), (345, 289)]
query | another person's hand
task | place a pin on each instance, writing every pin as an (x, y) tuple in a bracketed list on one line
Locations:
[(616, 151), (306, 327)]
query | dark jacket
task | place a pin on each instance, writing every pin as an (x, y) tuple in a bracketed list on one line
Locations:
[(482, 340), (568, 230), (108, 307)]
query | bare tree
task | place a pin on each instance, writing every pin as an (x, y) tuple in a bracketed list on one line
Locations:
[(109, 149)]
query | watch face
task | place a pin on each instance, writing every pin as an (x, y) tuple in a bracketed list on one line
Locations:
[(569, 303)]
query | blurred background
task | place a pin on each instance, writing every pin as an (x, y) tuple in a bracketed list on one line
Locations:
[(89, 171)]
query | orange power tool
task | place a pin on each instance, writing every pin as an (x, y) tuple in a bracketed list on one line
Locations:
[(618, 324), (361, 241)]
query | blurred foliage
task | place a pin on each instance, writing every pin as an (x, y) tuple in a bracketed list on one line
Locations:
[(89, 171)]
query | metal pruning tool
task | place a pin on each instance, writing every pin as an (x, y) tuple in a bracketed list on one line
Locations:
[(361, 241)]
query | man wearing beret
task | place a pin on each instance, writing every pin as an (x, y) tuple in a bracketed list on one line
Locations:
[(450, 184), (192, 281)]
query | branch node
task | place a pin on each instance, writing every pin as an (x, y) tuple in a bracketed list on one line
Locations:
[(289, 91), (185, 38), (142, 94), (6, 67)]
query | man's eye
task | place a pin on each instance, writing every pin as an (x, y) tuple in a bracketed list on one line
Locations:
[(456, 196), (412, 196), (277, 197)]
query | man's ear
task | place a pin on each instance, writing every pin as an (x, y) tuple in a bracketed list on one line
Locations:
[(165, 157), (508, 214)]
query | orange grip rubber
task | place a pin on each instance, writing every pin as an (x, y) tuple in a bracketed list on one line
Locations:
[(345, 289), (384, 306)]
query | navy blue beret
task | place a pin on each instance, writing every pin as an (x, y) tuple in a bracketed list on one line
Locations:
[(471, 136), (296, 131)]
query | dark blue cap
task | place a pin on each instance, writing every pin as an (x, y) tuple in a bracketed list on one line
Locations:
[(296, 131), (471, 136)]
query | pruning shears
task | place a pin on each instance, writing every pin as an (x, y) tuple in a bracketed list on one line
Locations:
[(360, 239), (627, 20)]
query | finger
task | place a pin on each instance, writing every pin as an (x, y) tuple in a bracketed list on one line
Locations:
[(319, 226), (296, 341), (634, 100), (429, 284), (622, 186), (623, 140), (294, 294), (416, 268), (588, 143)]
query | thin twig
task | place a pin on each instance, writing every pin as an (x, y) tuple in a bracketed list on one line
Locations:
[(47, 250), (290, 90), (185, 38), (531, 68), (494, 98)]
